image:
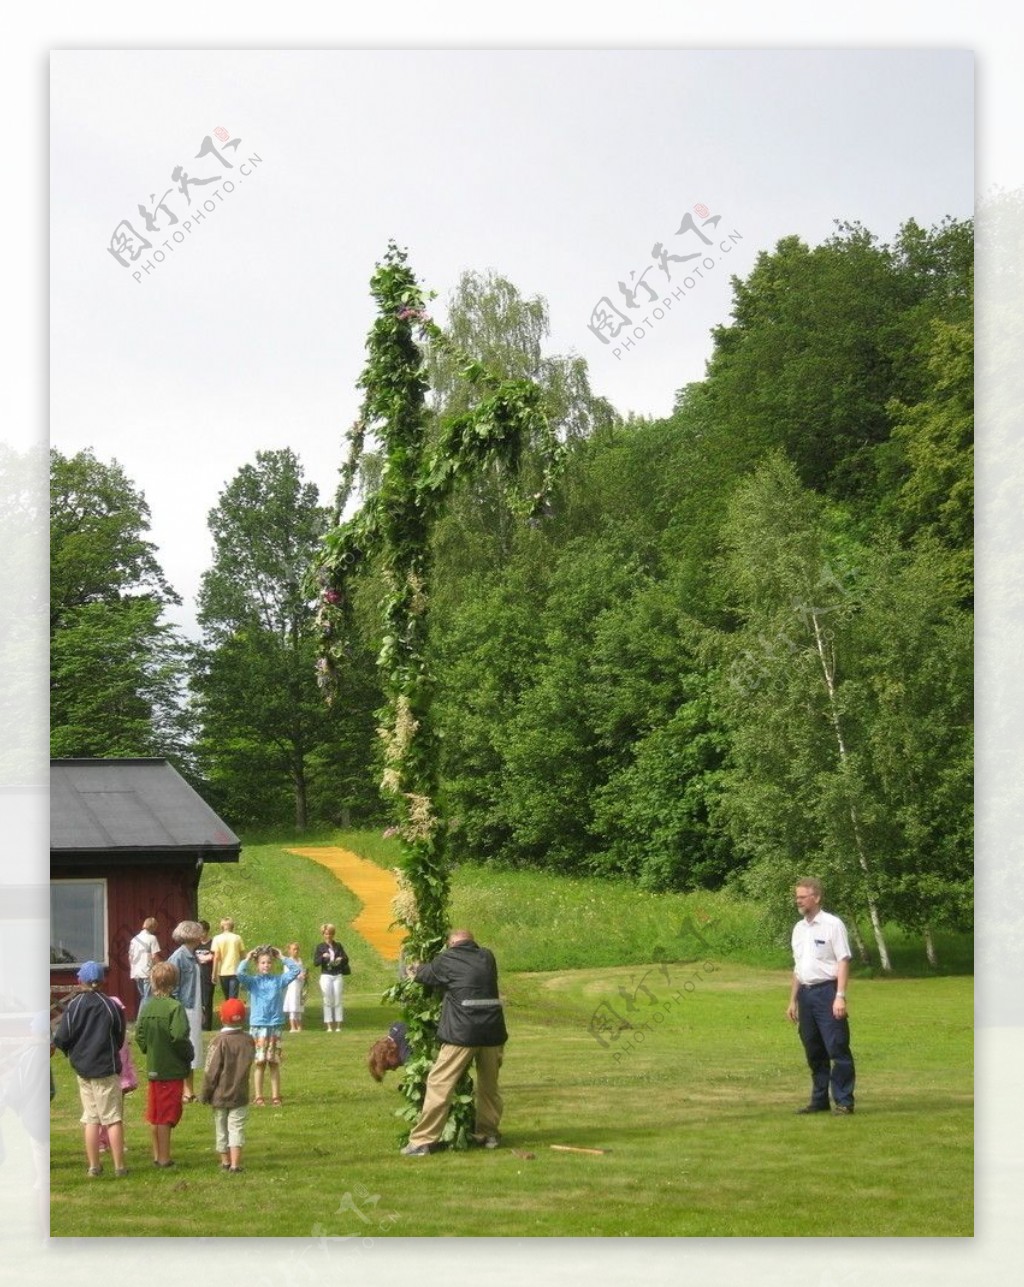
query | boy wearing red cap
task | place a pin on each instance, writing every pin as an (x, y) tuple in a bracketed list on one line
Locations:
[(226, 1083), (162, 1034)]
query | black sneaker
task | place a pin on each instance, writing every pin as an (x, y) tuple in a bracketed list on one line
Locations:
[(812, 1108)]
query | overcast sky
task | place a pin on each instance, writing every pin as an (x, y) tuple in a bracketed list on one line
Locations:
[(241, 327)]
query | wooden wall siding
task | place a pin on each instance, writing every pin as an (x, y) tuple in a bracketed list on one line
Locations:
[(169, 891)]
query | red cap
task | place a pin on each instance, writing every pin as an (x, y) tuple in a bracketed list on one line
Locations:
[(232, 1010)]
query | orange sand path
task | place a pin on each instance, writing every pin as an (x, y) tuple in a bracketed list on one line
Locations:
[(374, 886)]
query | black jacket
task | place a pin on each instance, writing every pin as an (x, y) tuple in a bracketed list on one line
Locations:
[(91, 1034), (328, 961), (471, 1013)]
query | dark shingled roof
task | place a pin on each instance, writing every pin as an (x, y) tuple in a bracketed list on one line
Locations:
[(132, 808)]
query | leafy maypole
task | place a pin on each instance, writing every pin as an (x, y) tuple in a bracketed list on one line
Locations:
[(422, 463)]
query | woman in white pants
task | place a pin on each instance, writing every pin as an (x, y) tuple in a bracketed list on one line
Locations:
[(333, 962)]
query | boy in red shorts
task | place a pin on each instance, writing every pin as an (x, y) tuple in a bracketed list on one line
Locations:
[(162, 1033)]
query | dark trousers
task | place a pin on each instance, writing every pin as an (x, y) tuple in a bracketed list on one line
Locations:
[(827, 1045), (229, 985), (207, 995)]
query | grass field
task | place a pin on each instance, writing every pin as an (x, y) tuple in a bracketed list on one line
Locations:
[(694, 1102)]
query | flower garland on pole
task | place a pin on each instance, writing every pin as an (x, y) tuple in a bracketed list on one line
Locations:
[(394, 529)]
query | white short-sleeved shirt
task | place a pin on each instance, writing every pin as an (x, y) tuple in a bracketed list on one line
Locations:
[(140, 953), (818, 947)]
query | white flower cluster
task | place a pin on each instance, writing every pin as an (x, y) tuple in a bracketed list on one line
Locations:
[(404, 902), (397, 741), (421, 821)]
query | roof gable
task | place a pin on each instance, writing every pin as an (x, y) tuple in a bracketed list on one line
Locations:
[(107, 806)]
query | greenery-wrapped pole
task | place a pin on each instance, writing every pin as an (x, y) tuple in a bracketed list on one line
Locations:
[(394, 529)]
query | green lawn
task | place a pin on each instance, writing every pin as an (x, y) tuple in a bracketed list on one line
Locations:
[(694, 1101)]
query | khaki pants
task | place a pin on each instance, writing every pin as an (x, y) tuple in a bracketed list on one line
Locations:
[(229, 1127), (452, 1062)]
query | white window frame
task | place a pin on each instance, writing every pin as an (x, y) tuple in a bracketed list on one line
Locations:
[(93, 881)]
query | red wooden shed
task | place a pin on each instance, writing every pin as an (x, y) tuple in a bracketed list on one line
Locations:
[(128, 839)]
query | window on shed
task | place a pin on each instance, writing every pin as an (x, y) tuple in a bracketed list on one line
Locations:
[(78, 922)]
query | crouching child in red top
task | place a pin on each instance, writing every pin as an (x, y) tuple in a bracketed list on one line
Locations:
[(226, 1083)]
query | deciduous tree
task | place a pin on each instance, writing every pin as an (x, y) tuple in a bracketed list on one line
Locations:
[(265, 736), (116, 668)]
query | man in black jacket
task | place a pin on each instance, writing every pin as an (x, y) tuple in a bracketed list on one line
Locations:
[(472, 1028)]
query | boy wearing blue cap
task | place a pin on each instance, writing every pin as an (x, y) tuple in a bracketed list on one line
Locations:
[(91, 1033)]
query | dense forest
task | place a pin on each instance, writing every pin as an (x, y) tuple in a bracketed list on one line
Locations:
[(735, 647)]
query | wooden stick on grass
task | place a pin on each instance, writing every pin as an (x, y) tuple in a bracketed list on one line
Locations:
[(571, 1148)]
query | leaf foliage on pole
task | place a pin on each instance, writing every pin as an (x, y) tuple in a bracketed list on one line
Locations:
[(422, 465)]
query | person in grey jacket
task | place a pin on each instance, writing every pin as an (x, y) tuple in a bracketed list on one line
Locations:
[(471, 1029), (188, 935)]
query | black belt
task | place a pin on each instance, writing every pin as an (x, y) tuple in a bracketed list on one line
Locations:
[(823, 984)]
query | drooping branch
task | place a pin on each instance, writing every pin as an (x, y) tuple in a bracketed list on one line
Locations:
[(356, 437)]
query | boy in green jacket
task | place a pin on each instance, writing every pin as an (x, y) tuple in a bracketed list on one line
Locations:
[(162, 1033)]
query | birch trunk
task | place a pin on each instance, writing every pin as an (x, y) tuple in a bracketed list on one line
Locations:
[(860, 947), (828, 669)]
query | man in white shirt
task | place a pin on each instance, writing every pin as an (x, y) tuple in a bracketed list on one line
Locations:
[(143, 950), (817, 1001)]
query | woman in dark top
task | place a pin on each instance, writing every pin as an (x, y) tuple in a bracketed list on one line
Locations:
[(333, 962)]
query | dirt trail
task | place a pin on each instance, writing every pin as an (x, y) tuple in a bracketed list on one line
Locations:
[(374, 886)]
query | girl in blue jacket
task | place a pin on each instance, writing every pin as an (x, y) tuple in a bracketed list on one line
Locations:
[(266, 1014)]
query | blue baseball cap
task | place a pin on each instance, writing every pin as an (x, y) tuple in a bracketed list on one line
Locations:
[(91, 972)]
